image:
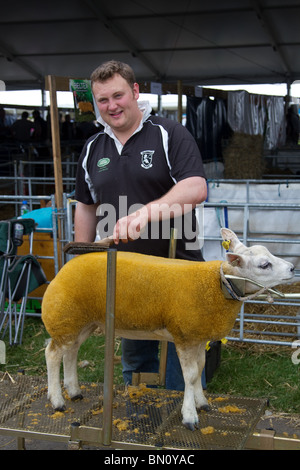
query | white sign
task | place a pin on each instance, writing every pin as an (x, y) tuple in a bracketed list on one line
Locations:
[(156, 88), (198, 91)]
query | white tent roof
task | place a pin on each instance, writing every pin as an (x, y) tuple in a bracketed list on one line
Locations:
[(198, 42)]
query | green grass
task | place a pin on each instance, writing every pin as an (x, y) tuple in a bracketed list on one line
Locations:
[(30, 355), (242, 372), (270, 375)]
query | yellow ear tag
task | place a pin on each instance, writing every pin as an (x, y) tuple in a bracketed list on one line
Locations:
[(226, 244)]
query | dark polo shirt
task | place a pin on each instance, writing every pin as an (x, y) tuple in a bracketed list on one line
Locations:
[(155, 158)]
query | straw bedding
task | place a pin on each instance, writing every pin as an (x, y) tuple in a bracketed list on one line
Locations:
[(243, 157)]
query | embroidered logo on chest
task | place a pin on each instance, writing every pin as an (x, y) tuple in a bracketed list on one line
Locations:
[(102, 163), (147, 156)]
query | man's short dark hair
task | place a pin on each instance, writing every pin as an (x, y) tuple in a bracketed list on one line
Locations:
[(108, 69)]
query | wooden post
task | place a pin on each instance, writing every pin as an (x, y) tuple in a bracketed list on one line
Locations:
[(55, 133), (55, 142)]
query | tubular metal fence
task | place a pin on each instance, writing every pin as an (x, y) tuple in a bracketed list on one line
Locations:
[(259, 321)]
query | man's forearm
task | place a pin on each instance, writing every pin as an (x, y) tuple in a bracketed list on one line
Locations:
[(182, 198), (85, 222)]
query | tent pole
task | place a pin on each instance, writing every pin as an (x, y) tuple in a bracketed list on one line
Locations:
[(179, 93)]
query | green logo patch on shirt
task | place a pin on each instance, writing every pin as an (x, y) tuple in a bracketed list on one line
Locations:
[(102, 163)]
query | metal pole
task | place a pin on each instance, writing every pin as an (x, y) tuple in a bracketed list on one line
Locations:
[(164, 344), (109, 345), (179, 92)]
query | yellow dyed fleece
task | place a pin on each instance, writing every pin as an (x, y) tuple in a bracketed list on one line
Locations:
[(151, 293)]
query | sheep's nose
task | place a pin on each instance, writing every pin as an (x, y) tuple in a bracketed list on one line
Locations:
[(292, 268)]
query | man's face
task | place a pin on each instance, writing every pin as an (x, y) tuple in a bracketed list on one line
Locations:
[(117, 103)]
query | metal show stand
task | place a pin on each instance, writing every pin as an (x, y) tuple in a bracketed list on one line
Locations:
[(137, 418)]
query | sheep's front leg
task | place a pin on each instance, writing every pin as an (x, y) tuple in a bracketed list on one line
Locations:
[(200, 400), (54, 356), (188, 357)]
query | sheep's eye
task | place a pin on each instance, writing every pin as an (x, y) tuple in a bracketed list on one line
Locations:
[(266, 265)]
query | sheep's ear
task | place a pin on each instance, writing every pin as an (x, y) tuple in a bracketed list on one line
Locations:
[(235, 260), (231, 241)]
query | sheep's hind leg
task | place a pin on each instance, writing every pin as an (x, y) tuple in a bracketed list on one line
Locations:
[(70, 372), (54, 356), (70, 363)]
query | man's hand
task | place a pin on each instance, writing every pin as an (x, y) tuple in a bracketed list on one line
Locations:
[(131, 227)]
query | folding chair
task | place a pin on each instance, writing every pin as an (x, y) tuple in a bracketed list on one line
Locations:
[(20, 276)]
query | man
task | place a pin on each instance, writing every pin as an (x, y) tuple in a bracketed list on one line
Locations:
[(39, 127), (136, 174), (22, 128)]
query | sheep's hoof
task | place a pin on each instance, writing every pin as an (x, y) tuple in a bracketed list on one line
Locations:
[(61, 409), (77, 397), (191, 426), (205, 408)]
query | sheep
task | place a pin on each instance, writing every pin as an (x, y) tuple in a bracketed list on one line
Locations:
[(156, 298)]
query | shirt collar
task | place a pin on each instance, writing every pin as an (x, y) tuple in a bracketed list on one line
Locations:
[(146, 109)]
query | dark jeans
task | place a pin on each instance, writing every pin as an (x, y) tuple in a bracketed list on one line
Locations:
[(142, 356)]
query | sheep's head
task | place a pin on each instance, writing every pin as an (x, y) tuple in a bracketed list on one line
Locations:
[(255, 263)]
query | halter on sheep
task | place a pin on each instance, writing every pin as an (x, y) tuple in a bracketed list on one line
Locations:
[(156, 298)]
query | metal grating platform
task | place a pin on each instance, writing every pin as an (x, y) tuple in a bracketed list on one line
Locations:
[(141, 415)]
